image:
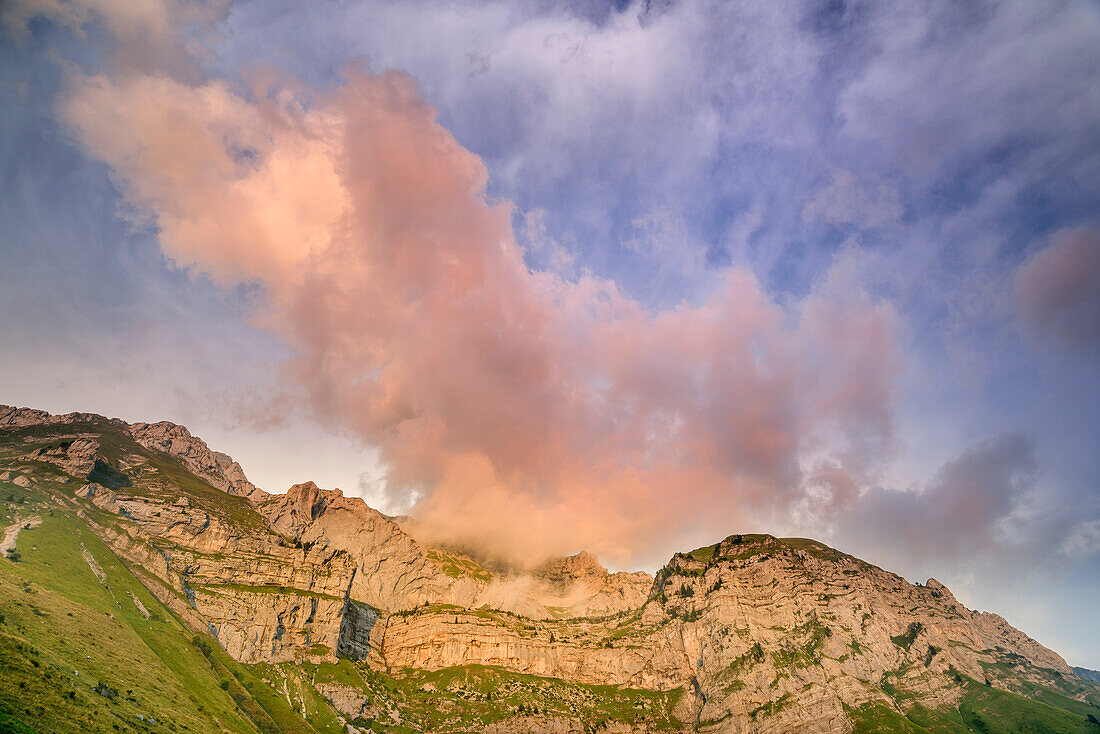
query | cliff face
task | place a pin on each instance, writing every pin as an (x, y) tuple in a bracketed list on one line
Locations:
[(754, 633)]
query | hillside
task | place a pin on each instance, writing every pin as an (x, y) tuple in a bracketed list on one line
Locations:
[(148, 586)]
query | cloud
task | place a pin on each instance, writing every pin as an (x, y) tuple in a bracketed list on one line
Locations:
[(989, 508), (964, 509), (1083, 540), (190, 154), (495, 392), (606, 124), (846, 201), (154, 35), (1056, 290)]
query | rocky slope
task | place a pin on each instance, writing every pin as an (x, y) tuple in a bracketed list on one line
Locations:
[(754, 633)]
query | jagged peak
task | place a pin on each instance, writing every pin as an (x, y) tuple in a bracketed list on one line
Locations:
[(13, 416), (312, 498), (176, 440), (577, 567), (167, 427), (939, 590), (307, 487)]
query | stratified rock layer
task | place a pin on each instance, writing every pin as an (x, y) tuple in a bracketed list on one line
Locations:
[(760, 633)]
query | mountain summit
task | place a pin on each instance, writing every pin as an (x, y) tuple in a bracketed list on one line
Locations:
[(149, 585)]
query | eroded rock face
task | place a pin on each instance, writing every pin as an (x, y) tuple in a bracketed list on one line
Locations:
[(392, 571), (348, 700), (357, 621), (580, 585), (18, 417), (536, 725), (396, 573), (754, 624), (217, 468), (76, 457), (798, 619)]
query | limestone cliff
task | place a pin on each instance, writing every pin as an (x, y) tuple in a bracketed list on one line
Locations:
[(754, 633)]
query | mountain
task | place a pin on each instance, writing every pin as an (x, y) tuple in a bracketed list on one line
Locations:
[(1093, 675), (148, 586)]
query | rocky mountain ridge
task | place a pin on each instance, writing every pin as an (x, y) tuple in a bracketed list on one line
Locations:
[(754, 633)]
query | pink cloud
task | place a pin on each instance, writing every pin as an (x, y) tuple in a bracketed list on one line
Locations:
[(533, 413), (1058, 290)]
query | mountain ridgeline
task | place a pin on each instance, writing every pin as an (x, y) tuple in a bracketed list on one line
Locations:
[(148, 586)]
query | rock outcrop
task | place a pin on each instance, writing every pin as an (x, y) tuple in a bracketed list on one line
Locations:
[(217, 468), (76, 457), (11, 417)]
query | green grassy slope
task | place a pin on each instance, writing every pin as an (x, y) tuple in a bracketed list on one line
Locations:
[(988, 710), (78, 654)]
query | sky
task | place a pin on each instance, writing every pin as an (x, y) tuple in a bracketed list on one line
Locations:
[(626, 277)]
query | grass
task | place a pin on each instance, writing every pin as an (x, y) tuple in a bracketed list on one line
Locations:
[(704, 554), (188, 683), (748, 545), (454, 699), (906, 638), (457, 565), (817, 549), (878, 719), (771, 707), (278, 703), (264, 589), (982, 709), (64, 632), (987, 709)]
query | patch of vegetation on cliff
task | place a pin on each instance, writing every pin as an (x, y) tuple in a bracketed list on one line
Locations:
[(879, 719), (906, 638), (743, 662), (744, 546), (277, 697), (457, 565), (803, 647), (771, 707), (105, 474), (523, 626), (629, 628), (466, 697), (1018, 674), (704, 554), (818, 549), (263, 589)]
